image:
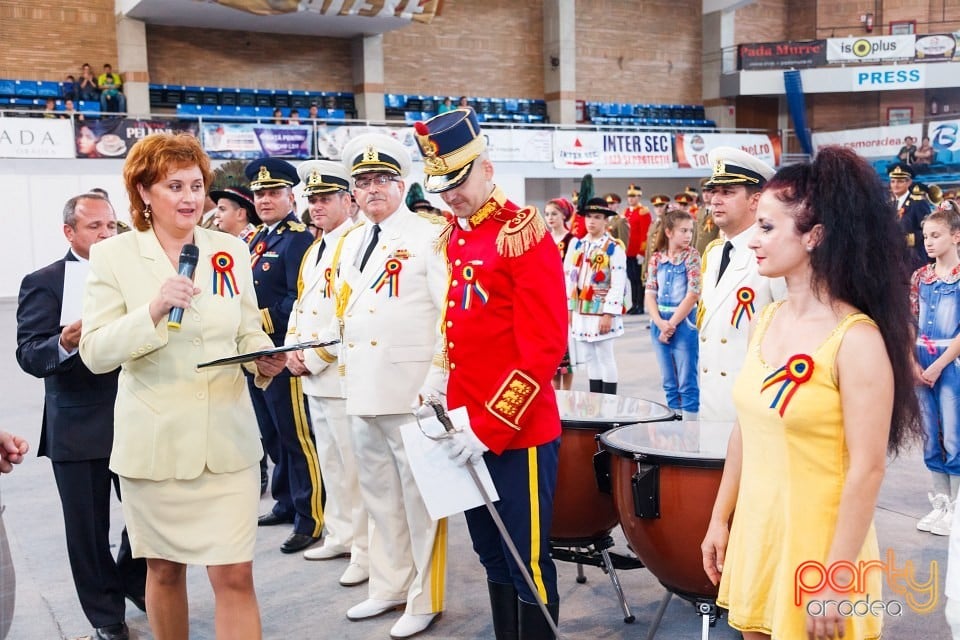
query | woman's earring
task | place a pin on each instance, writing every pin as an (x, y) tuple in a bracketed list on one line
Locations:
[(147, 212), (809, 249)]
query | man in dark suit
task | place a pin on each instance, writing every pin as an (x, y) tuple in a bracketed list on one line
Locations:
[(77, 430), (276, 251)]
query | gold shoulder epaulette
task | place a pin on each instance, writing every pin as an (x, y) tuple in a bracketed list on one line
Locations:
[(521, 232), (703, 259), (432, 218), (619, 242), (296, 226), (443, 239)]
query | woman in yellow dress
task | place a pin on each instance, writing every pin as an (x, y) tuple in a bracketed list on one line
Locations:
[(826, 391)]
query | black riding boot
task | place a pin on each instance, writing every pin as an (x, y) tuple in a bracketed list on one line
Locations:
[(533, 626), (610, 388), (596, 386), (503, 604)]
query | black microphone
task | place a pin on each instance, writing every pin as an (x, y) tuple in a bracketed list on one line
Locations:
[(189, 256)]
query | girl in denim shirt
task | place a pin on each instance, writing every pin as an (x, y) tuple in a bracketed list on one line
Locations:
[(934, 293), (672, 291)]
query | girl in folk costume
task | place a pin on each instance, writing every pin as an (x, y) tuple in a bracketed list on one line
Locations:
[(673, 288), (596, 268), (557, 214), (933, 300)]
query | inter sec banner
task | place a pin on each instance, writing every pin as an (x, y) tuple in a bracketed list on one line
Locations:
[(36, 138), (113, 137), (613, 150), (247, 141), (693, 148), (872, 142)]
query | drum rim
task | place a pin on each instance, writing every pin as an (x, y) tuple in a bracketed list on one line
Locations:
[(578, 423), (665, 457)]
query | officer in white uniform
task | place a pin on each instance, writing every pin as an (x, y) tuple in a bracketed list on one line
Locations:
[(327, 189), (391, 284), (733, 291)]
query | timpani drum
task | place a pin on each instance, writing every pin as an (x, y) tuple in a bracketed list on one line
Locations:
[(581, 511), (665, 477)]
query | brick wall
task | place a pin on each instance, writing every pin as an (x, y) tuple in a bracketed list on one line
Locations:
[(630, 51), (762, 21), (48, 39), (491, 48), (802, 20), (222, 58)]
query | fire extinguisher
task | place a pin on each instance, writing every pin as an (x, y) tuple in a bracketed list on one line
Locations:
[(934, 107)]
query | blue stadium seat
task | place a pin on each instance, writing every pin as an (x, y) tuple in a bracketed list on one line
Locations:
[(943, 156), (26, 88), (49, 89), (8, 88)]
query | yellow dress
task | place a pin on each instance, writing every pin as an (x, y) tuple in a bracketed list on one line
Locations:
[(795, 462)]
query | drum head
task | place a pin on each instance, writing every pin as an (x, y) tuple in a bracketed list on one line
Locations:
[(689, 444), (601, 411)]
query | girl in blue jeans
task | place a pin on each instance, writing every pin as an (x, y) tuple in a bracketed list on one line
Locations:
[(672, 291), (934, 293)]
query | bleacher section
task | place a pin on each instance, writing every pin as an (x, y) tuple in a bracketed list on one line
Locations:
[(647, 115), (185, 98), (417, 107)]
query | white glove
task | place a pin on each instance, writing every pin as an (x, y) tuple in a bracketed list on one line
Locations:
[(464, 446), (427, 392)]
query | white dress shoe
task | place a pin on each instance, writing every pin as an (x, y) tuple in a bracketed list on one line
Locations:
[(410, 624), (354, 575), (371, 608), (326, 552)]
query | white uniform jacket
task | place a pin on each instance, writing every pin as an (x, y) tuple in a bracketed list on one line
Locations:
[(391, 345), (728, 306), (172, 419), (313, 313)]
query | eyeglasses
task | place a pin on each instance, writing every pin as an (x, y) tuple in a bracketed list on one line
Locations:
[(379, 180)]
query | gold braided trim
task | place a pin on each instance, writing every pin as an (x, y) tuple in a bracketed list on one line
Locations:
[(325, 355), (440, 246), (441, 360), (434, 165), (266, 321), (490, 207), (523, 231), (702, 310)]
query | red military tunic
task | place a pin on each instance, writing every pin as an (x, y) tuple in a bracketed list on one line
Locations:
[(505, 324), (639, 219)]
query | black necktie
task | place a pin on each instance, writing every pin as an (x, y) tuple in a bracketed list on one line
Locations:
[(323, 245), (373, 243), (725, 258)]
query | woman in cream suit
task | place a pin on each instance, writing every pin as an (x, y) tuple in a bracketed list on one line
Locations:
[(186, 445)]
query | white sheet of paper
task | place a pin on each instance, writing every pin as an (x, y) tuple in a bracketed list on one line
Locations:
[(446, 487), (74, 280)]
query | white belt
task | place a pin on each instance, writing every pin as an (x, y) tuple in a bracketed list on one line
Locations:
[(939, 342)]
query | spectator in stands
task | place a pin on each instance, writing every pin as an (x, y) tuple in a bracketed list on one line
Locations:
[(88, 85), (278, 115), (69, 111), (908, 152), (50, 108), (923, 158), (463, 102), (447, 105), (70, 90), (111, 91), (294, 117), (314, 112)]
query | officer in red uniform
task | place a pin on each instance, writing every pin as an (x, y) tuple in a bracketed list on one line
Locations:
[(639, 219), (506, 331)]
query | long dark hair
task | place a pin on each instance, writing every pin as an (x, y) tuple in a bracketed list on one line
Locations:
[(861, 259)]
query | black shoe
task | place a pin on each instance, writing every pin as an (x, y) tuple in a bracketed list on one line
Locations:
[(138, 601), (271, 519), (298, 542), (117, 631)]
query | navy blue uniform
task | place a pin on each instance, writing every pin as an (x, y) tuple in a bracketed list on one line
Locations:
[(915, 208), (281, 410)]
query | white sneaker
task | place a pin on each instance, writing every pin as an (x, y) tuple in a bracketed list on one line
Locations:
[(942, 526), (410, 624), (370, 608), (939, 502), (354, 575)]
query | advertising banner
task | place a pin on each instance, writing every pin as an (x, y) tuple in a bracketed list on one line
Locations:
[(888, 78), (783, 55), (936, 47), (247, 141), (871, 49), (944, 135), (113, 137), (331, 138), (615, 150), (519, 145), (36, 138), (693, 148), (873, 142)]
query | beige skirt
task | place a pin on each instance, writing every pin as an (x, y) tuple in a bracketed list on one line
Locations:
[(209, 520)]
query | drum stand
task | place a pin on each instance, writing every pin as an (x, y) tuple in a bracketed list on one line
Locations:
[(706, 609), (594, 552)]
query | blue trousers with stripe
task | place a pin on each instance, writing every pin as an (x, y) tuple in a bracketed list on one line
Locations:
[(525, 480), (284, 421)]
